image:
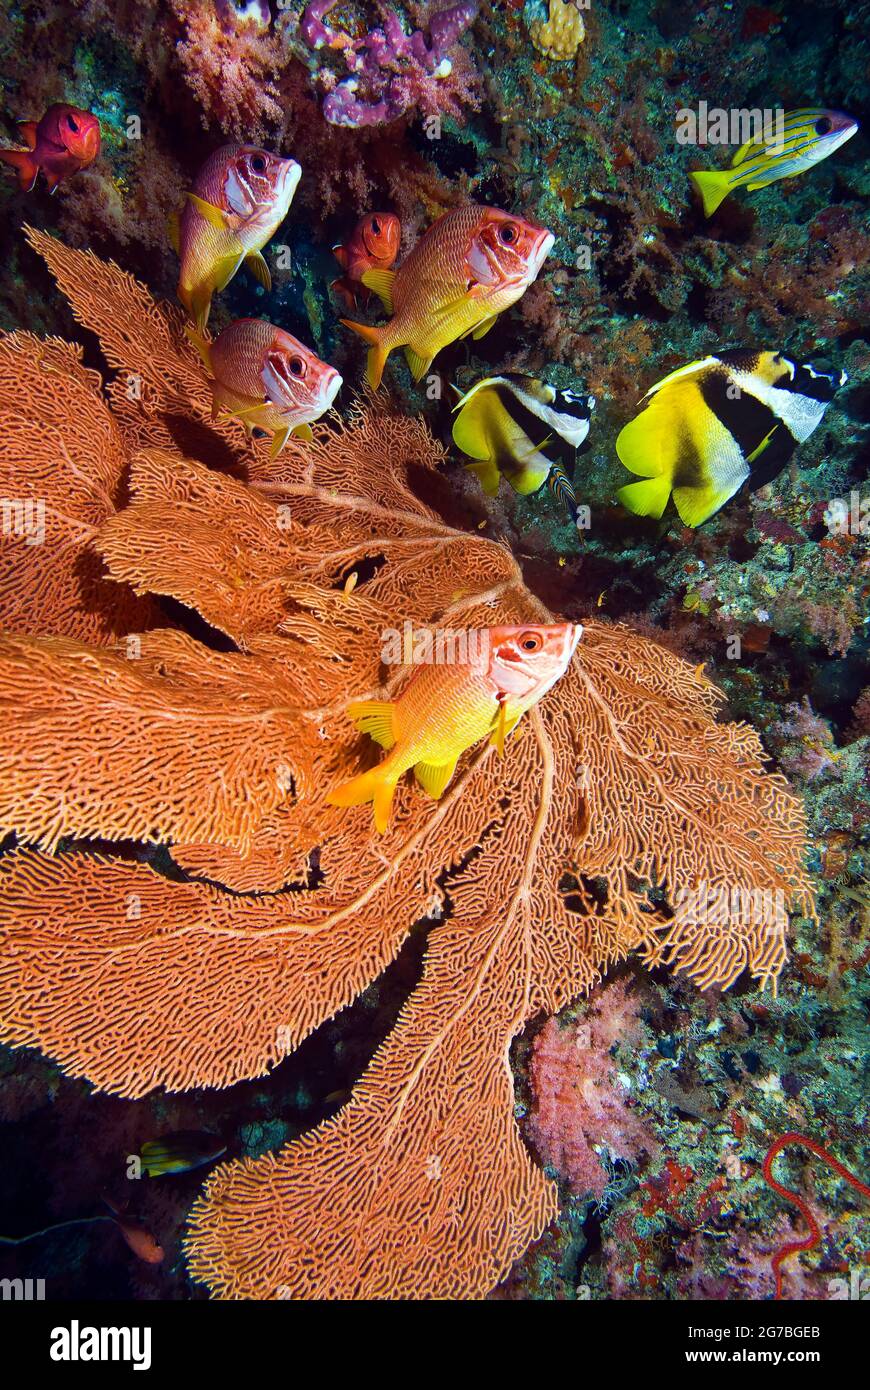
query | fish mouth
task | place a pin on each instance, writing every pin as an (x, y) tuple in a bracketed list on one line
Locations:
[(332, 384), (292, 173), (541, 251)]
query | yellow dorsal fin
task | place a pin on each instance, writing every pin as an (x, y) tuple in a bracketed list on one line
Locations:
[(381, 281), (375, 718)]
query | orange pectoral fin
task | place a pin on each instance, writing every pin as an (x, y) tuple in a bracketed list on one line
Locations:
[(25, 166)]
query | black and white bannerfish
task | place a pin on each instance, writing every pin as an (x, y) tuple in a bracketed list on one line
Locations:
[(505, 423), (715, 424)]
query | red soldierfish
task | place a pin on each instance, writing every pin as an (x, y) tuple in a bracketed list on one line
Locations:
[(372, 245), (239, 199), (136, 1234), (267, 379), (447, 706), (65, 141), (470, 265)]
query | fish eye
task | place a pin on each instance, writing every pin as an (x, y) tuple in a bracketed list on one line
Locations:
[(72, 123), (531, 641), (376, 226), (507, 233), (823, 125), (258, 164), (296, 366)]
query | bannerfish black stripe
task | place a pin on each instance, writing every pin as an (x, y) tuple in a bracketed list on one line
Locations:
[(743, 415)]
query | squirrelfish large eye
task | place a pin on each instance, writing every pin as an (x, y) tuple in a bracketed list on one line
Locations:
[(258, 164), (296, 367), (507, 233), (531, 641), (72, 123), (823, 125), (376, 226)]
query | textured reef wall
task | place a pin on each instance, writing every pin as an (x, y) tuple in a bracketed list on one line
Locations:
[(652, 1104)]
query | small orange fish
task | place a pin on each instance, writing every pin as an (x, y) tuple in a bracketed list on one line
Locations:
[(446, 707), (470, 265), (239, 199), (136, 1234), (373, 245), (64, 142), (267, 379)]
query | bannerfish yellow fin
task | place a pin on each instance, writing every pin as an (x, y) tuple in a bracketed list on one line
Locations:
[(209, 212), (381, 281), (697, 504), (760, 448), (279, 439), (173, 227), (434, 777), (378, 354), (713, 185), (648, 498), (303, 432), (484, 327), (469, 428), (487, 474), (256, 264), (418, 364), (197, 340), (533, 471), (375, 718), (377, 786)]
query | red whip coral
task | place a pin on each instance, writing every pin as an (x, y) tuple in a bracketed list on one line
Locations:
[(810, 1241), (533, 869)]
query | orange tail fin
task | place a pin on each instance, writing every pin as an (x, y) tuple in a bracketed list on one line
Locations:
[(24, 163), (378, 354), (368, 786)]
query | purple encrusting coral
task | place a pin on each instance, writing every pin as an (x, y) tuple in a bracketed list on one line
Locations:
[(386, 67)]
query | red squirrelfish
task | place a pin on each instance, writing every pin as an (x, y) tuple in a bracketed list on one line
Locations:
[(136, 1234), (373, 245), (267, 379), (239, 198), (470, 265), (65, 141), (447, 706)]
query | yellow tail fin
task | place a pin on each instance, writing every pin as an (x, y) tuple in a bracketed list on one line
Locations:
[(375, 786), (378, 354), (647, 498), (713, 187)]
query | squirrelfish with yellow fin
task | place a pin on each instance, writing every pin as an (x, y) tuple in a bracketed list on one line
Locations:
[(506, 423), (804, 138), (239, 199), (267, 379), (718, 423), (447, 706), (471, 265), (372, 245)]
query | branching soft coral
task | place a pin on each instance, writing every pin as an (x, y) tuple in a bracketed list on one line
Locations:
[(533, 869)]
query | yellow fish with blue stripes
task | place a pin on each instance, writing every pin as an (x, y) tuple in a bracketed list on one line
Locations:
[(803, 139)]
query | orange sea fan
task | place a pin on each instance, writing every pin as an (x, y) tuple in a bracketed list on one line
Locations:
[(533, 870)]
